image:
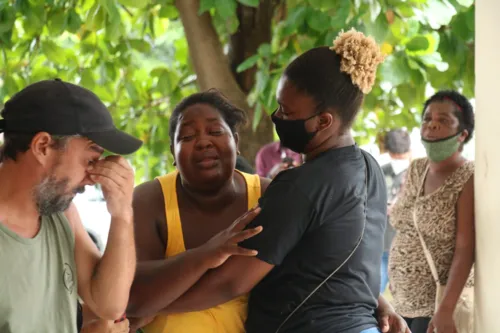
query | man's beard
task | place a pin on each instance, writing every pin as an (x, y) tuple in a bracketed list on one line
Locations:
[(51, 195)]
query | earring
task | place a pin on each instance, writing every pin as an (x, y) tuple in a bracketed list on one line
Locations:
[(173, 163), (238, 152)]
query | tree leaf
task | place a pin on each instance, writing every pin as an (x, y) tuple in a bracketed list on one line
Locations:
[(164, 85), (264, 50), (74, 22), (57, 22), (469, 77), (87, 79), (418, 43), (250, 3), (421, 48), (225, 8), (7, 18), (139, 4), (466, 3), (206, 5), (10, 86), (461, 27), (318, 20), (395, 70), (113, 28), (375, 10), (248, 63), (295, 19), (54, 52), (378, 29), (140, 45), (169, 11), (435, 60), (341, 14), (438, 13), (257, 116)]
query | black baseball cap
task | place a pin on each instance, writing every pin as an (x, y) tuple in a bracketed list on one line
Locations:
[(62, 108)]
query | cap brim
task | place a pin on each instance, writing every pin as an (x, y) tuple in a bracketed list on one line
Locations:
[(116, 141)]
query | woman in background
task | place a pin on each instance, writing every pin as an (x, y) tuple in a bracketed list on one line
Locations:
[(439, 194)]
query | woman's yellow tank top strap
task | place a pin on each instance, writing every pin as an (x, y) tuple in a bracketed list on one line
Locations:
[(175, 237), (254, 190)]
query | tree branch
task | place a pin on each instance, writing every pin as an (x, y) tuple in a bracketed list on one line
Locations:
[(209, 62)]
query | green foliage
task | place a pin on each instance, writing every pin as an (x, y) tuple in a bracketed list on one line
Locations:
[(133, 54), (429, 45)]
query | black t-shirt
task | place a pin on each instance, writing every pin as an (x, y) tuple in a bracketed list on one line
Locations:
[(313, 216)]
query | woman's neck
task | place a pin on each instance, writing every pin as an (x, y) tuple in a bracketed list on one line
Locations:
[(332, 142), (212, 200), (450, 164)]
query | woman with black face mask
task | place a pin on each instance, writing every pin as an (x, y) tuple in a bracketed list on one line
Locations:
[(431, 259), (318, 262)]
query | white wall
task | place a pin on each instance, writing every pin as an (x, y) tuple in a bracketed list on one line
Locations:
[(487, 174)]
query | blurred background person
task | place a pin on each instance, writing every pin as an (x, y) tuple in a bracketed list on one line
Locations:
[(274, 158), (397, 143)]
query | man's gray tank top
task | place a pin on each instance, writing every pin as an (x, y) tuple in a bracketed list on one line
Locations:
[(38, 284)]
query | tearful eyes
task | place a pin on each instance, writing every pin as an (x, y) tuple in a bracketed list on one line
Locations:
[(192, 136)]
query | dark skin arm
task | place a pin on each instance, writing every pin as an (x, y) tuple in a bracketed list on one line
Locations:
[(463, 259), (236, 277), (158, 281)]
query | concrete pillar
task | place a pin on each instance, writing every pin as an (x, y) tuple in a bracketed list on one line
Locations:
[(487, 172)]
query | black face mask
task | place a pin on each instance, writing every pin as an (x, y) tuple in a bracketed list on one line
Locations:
[(293, 133)]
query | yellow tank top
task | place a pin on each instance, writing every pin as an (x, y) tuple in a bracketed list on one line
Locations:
[(225, 318)]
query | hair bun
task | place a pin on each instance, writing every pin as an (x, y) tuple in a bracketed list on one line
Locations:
[(360, 57)]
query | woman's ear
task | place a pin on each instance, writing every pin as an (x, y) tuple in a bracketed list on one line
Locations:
[(463, 136), (237, 141), (173, 155), (326, 120)]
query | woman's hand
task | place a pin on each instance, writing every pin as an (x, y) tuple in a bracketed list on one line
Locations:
[(225, 244), (388, 320), (391, 322), (442, 322)]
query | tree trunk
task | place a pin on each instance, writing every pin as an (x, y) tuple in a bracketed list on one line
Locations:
[(215, 70)]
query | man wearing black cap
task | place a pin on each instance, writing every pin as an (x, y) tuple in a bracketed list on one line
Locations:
[(54, 136)]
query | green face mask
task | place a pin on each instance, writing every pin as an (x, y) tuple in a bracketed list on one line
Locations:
[(441, 149)]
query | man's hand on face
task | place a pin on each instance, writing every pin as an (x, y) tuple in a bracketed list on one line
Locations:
[(116, 177)]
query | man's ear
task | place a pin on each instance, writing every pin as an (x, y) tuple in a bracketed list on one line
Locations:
[(40, 147)]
